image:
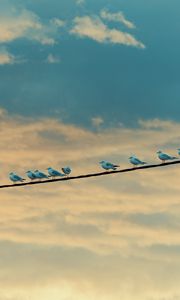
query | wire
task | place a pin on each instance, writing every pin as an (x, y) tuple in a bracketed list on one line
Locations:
[(91, 175)]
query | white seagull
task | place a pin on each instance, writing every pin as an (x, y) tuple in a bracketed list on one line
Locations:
[(15, 178), (31, 175), (136, 161), (54, 173), (108, 166), (40, 175), (163, 156), (66, 170)]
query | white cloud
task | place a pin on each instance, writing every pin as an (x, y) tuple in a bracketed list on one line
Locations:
[(52, 59), (94, 28), (117, 17), (97, 121), (80, 2), (58, 22), (15, 24), (6, 58), (23, 23), (18, 24)]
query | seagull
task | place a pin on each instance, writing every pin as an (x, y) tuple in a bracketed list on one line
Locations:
[(40, 175), (66, 170), (31, 175), (107, 165), (15, 178), (136, 161), (163, 156), (54, 173)]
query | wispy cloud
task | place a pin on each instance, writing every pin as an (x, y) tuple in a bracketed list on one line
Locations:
[(93, 27), (97, 121), (6, 58), (117, 17), (58, 22), (80, 2), (52, 59), (22, 23)]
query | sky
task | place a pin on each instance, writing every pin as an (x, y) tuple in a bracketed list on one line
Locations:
[(82, 81)]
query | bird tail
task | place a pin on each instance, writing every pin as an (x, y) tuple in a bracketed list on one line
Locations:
[(144, 162), (115, 167)]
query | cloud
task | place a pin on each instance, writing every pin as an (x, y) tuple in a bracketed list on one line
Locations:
[(52, 59), (95, 238), (80, 2), (27, 132), (116, 17), (92, 27), (6, 58), (23, 23), (58, 22), (97, 121)]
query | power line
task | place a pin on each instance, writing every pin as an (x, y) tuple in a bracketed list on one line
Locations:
[(91, 175)]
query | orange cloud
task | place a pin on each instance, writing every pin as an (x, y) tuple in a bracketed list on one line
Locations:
[(116, 232)]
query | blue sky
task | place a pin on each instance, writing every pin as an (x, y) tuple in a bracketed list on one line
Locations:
[(116, 82)]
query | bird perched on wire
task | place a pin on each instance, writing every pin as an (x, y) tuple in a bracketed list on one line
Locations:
[(15, 178), (136, 161), (108, 166), (163, 156), (54, 173), (66, 170), (40, 175), (31, 175)]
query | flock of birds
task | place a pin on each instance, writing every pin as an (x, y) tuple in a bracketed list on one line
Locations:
[(52, 173)]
